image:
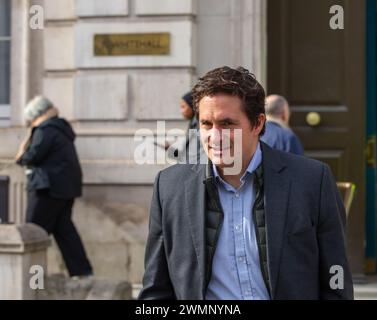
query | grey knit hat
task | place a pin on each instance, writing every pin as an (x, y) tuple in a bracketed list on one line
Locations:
[(36, 107)]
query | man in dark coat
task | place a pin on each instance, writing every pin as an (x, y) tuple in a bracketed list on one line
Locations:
[(271, 229), (54, 180)]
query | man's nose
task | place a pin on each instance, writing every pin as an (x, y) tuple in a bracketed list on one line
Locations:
[(214, 135)]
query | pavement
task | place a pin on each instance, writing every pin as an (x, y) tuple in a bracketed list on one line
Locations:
[(365, 287)]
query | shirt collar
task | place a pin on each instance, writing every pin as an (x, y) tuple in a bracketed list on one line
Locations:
[(253, 165)]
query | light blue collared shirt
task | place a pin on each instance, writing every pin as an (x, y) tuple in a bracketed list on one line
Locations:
[(236, 273)]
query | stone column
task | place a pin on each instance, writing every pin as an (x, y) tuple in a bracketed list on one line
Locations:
[(254, 38), (17, 190), (249, 36), (22, 254), (233, 33)]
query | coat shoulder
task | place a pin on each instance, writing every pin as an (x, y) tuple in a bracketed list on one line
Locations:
[(299, 166), (302, 161), (47, 131), (179, 171), (172, 180)]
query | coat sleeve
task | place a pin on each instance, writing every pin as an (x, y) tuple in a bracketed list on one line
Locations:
[(335, 276), (156, 282), (38, 149)]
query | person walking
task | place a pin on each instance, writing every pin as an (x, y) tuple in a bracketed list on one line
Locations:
[(54, 180), (271, 230)]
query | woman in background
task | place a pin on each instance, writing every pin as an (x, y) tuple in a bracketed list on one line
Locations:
[(191, 152), (54, 180)]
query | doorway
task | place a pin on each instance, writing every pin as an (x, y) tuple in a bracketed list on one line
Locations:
[(322, 70)]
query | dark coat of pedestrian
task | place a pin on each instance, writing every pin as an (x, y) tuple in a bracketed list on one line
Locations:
[(54, 180)]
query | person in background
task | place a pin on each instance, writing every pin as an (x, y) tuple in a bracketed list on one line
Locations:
[(278, 135), (188, 154), (187, 111), (54, 180)]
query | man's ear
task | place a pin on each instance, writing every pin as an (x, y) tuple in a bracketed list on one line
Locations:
[(261, 120), (285, 115)]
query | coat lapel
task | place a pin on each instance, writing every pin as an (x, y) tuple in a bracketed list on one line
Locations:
[(195, 211), (276, 193)]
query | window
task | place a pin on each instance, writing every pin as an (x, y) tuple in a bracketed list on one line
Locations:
[(5, 45)]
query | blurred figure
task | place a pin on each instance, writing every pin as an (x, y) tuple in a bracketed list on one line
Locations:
[(54, 180), (192, 150), (278, 135), (187, 110)]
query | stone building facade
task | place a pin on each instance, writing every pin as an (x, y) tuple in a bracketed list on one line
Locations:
[(108, 98)]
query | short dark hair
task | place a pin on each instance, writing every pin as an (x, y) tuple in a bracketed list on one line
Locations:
[(236, 82)]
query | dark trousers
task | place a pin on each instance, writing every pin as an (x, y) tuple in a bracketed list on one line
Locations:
[(54, 215)]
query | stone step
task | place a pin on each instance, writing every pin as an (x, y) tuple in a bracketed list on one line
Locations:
[(136, 287), (366, 291)]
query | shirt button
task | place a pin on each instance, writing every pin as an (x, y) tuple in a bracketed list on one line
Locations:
[(237, 195), (237, 228), (241, 259)]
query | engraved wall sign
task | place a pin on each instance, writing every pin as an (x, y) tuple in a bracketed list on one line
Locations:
[(124, 44)]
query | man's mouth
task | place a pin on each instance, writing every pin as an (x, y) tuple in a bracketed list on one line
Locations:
[(218, 150)]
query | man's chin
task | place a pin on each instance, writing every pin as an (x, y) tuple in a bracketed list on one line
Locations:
[(221, 162)]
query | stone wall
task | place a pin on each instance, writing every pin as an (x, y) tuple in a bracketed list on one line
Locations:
[(107, 99), (112, 221)]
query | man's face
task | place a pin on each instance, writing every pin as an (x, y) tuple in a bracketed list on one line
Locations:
[(219, 117), (186, 110)]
